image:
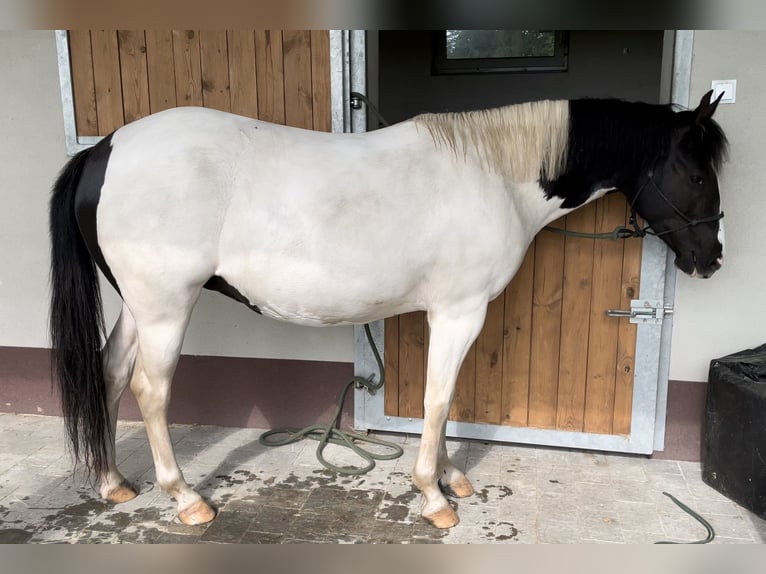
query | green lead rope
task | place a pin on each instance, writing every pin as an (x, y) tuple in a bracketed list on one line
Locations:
[(710, 532), (619, 232), (331, 433)]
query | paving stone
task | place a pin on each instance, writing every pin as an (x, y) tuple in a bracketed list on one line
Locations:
[(388, 532), (252, 537), (228, 527), (640, 516), (290, 497), (658, 466), (14, 535), (522, 494), (173, 538), (559, 533), (727, 540)]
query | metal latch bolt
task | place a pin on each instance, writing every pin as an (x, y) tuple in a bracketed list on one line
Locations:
[(643, 312)]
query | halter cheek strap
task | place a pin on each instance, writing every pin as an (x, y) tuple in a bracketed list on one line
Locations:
[(643, 231)]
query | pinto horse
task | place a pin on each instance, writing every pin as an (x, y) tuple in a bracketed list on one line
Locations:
[(286, 221)]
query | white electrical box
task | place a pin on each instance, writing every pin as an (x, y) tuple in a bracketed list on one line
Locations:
[(726, 87)]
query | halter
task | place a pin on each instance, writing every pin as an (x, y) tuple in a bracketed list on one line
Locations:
[(643, 231)]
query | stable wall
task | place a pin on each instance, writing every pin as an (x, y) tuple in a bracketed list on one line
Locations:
[(727, 312)]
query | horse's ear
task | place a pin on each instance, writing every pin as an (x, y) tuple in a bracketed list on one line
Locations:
[(706, 109)]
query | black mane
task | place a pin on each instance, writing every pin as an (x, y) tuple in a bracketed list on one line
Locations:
[(612, 143), (711, 140)]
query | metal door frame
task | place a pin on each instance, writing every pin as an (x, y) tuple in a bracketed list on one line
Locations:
[(652, 357)]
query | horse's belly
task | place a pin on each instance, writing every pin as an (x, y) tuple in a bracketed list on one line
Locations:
[(309, 293), (329, 316)]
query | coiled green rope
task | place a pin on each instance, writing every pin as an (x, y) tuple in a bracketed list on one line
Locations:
[(331, 434)]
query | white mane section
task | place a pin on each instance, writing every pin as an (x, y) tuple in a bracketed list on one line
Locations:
[(521, 141)]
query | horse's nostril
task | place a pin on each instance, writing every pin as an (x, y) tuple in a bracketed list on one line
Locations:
[(715, 263)]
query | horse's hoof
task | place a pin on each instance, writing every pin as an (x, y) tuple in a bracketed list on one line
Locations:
[(444, 518), (461, 488), (198, 513), (121, 493)]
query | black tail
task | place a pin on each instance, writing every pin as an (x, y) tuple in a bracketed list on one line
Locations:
[(77, 326)]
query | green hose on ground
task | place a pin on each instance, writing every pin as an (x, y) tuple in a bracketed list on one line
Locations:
[(332, 434)]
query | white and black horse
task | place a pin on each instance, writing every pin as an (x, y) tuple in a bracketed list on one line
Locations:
[(287, 220)]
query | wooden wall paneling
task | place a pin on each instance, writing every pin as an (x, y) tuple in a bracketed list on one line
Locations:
[(242, 77), (626, 341), (297, 68), (106, 75), (602, 348), (411, 361), (133, 71), (187, 68), (320, 80), (161, 68), (575, 320), (391, 362), (489, 365), (215, 70), (546, 328), (83, 84), (270, 75), (517, 343)]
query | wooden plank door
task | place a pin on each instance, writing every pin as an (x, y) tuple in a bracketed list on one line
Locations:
[(119, 76), (548, 357)]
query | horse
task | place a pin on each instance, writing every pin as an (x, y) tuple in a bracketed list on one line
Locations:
[(286, 222)]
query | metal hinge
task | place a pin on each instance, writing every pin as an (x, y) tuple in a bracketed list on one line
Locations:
[(643, 312)]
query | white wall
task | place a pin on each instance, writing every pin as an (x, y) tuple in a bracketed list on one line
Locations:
[(32, 151), (727, 313)]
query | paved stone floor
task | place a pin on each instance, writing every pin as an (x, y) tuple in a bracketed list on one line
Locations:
[(281, 495)]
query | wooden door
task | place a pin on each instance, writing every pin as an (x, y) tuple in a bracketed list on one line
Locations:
[(121, 75), (548, 356)]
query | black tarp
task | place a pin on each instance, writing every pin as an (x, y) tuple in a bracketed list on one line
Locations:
[(734, 432)]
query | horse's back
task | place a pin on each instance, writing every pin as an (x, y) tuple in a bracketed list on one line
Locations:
[(309, 226)]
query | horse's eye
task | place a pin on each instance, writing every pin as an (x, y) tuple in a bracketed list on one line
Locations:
[(696, 179)]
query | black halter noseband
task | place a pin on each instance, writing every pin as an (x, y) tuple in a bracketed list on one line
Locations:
[(646, 230)]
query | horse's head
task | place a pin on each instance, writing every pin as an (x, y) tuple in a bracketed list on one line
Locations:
[(679, 198)]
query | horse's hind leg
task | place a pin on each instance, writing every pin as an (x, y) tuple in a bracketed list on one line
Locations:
[(452, 333), (160, 336), (119, 358)]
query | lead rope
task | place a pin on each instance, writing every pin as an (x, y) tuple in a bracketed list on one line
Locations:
[(332, 434)]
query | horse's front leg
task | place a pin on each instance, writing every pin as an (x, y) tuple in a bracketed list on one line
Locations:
[(453, 331), (451, 477)]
